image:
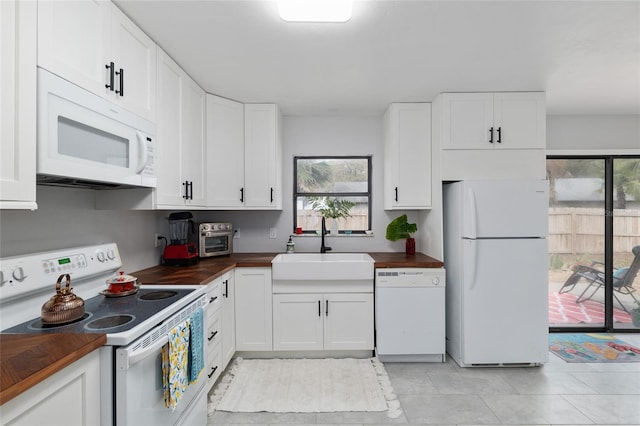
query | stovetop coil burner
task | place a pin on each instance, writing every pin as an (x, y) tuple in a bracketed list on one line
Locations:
[(158, 295), (111, 321)]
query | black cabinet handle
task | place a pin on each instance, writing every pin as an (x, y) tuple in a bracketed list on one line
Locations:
[(213, 370), (326, 308), (213, 299), (111, 67), (226, 288), (186, 189), (319, 309), (242, 195), (396, 190), (121, 74), (272, 195), (210, 338), (499, 135), (491, 135)]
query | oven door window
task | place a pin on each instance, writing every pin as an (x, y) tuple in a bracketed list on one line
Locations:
[(216, 243)]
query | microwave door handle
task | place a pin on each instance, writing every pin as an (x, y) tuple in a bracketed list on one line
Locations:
[(142, 146)]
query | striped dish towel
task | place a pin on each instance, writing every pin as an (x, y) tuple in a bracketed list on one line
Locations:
[(175, 355), (196, 346)]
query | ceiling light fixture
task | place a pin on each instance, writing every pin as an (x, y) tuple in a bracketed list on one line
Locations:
[(315, 10)]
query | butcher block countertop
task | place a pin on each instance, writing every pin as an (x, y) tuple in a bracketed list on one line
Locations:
[(27, 359), (401, 260), (208, 269)]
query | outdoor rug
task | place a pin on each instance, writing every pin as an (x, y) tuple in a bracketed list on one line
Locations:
[(592, 348), (563, 309), (305, 386)]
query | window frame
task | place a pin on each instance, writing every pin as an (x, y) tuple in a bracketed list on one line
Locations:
[(297, 194)]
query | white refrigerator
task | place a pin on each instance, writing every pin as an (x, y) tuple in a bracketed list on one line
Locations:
[(497, 281)]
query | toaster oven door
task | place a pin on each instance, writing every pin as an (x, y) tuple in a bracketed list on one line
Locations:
[(215, 243)]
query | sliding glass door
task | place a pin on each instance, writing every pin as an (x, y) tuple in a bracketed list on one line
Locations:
[(626, 242), (594, 229)]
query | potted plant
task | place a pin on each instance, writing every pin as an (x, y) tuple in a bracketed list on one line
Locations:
[(332, 208), (398, 229)]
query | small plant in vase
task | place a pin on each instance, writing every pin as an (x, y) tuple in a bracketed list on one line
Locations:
[(399, 229), (332, 208)]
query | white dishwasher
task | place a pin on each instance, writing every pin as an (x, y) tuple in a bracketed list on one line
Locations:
[(410, 314)]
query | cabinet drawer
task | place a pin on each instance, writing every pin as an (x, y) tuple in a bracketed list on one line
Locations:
[(214, 366), (214, 297), (213, 332)]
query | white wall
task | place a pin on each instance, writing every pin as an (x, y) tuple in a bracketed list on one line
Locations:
[(321, 135), (66, 217), (593, 132)]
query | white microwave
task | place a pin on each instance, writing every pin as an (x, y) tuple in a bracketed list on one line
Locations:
[(85, 140)]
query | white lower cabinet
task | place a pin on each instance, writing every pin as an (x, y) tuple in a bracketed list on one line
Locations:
[(253, 309), (69, 397), (316, 321), (228, 317)]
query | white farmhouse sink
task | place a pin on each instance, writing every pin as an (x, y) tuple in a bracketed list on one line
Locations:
[(322, 266)]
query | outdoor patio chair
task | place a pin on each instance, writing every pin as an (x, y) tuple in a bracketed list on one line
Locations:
[(622, 280)]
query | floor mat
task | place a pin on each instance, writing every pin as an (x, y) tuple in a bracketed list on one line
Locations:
[(305, 386), (592, 348)]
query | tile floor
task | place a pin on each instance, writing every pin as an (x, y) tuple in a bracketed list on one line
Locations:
[(445, 394)]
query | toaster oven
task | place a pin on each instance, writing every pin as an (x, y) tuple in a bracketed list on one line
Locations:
[(215, 239)]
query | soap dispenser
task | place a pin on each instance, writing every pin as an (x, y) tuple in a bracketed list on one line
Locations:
[(291, 246)]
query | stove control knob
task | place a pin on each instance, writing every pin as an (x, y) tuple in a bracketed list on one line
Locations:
[(111, 254), (18, 274), (100, 256), (435, 280), (2, 280)]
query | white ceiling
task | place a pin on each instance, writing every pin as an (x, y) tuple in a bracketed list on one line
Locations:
[(584, 54)]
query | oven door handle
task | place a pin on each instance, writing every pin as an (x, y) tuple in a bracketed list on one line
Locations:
[(126, 358)]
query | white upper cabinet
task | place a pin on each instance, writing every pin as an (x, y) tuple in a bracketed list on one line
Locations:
[(74, 41), (244, 155), (180, 139), (94, 45), (490, 135), (225, 153), (407, 156), (493, 120), (17, 104), (262, 156), (134, 55)]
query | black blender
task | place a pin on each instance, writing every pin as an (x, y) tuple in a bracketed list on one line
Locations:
[(180, 251)]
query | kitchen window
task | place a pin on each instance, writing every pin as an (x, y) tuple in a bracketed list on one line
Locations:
[(332, 186)]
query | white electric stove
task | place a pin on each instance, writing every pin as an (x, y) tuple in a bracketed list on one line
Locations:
[(136, 326)]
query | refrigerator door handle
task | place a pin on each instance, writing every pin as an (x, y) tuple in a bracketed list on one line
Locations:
[(470, 266), (473, 215)]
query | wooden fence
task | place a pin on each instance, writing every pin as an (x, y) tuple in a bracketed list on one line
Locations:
[(576, 230)]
